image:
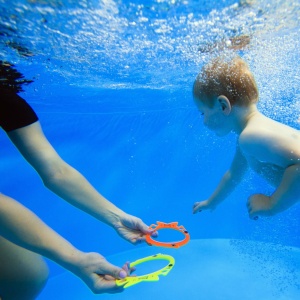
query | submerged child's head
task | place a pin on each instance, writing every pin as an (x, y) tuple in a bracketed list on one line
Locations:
[(226, 77), (223, 88)]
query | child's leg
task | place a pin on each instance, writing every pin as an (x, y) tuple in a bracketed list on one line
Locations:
[(23, 274)]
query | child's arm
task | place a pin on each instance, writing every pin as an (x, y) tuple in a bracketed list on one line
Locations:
[(287, 194), (227, 184), (277, 145)]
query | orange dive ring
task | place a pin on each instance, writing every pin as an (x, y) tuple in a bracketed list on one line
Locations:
[(174, 226)]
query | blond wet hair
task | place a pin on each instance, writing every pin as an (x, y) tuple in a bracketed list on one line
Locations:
[(230, 77)]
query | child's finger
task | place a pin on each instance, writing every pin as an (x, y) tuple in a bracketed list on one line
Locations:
[(252, 215), (196, 208)]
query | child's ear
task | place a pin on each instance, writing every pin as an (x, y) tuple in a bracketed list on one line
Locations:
[(224, 104)]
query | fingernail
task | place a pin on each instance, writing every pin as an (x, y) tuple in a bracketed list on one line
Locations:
[(122, 274)]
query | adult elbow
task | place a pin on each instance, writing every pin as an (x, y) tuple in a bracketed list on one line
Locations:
[(54, 177)]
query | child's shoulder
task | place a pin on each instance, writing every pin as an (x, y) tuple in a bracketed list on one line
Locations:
[(255, 127), (263, 132), (259, 130), (250, 137)]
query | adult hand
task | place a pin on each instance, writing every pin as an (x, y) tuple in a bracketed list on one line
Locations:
[(259, 205), (202, 205), (98, 274), (133, 229)]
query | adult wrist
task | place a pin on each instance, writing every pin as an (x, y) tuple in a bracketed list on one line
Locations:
[(113, 217), (66, 256)]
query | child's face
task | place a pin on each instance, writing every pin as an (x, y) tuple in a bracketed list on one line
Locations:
[(214, 117)]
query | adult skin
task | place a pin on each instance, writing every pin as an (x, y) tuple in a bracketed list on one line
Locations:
[(23, 273)]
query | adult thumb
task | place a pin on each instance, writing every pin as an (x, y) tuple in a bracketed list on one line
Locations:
[(122, 274), (114, 271)]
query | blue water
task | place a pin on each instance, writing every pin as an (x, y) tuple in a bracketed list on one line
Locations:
[(113, 93), (212, 269)]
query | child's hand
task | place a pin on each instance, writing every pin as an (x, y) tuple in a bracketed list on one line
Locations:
[(259, 205), (199, 206)]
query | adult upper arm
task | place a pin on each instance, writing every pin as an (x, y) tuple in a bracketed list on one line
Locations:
[(36, 149)]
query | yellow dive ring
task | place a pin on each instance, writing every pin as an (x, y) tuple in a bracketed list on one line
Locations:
[(129, 281)]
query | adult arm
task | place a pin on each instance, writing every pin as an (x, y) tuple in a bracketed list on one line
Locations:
[(70, 185), (24, 228)]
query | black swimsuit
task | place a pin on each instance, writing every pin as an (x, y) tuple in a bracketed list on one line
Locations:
[(15, 112)]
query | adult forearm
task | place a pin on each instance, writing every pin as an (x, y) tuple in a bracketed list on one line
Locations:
[(24, 228), (288, 192), (70, 185)]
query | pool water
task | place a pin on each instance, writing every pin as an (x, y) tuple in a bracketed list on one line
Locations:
[(112, 88), (207, 268)]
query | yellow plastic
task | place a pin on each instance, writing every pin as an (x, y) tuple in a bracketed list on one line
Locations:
[(129, 281)]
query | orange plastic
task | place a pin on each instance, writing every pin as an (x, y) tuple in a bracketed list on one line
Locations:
[(174, 226)]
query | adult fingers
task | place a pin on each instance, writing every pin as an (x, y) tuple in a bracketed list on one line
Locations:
[(107, 268), (141, 226), (106, 284)]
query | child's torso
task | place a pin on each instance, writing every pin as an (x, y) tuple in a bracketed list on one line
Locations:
[(272, 173), (283, 142)]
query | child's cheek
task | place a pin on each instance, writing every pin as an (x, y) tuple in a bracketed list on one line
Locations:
[(213, 123)]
